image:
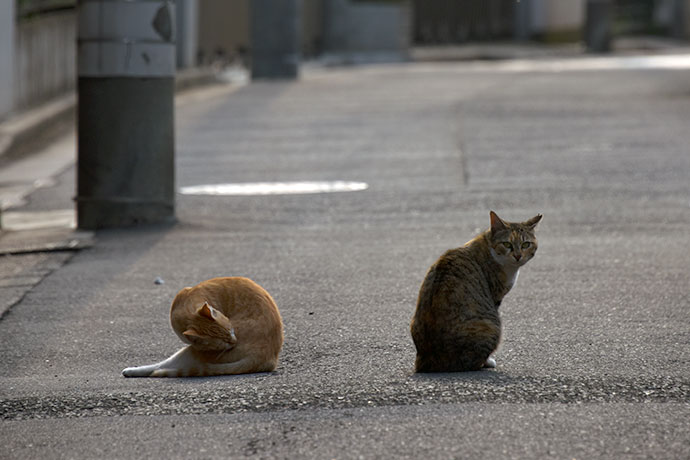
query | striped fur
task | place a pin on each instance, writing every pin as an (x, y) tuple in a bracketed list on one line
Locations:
[(456, 325), (232, 326)]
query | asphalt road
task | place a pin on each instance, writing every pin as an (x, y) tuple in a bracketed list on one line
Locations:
[(594, 359)]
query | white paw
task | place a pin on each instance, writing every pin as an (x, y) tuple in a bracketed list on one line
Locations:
[(128, 372), (490, 362), (140, 371)]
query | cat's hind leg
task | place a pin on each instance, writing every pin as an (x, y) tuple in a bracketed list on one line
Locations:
[(245, 365), (470, 348)]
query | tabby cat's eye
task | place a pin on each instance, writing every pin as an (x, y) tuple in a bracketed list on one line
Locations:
[(526, 244), (507, 245)]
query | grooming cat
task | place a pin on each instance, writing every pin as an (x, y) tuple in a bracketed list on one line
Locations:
[(232, 326), (456, 326)]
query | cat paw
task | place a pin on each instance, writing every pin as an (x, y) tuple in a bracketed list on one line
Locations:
[(135, 372), (128, 372), (490, 363)]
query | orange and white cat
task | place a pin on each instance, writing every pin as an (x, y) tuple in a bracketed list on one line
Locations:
[(231, 326)]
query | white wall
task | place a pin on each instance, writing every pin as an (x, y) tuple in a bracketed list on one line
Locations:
[(564, 14)]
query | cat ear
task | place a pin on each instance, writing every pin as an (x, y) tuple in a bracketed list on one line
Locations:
[(496, 223), (533, 221), (191, 334), (207, 311)]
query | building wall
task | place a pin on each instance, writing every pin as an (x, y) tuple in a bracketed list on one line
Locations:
[(555, 16), (223, 29), (7, 34), (312, 27), (367, 27), (45, 59), (564, 14)]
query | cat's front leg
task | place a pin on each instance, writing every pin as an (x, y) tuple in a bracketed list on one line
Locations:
[(140, 371), (168, 367)]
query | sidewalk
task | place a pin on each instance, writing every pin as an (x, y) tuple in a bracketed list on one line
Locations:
[(37, 157), (492, 51), (594, 360)]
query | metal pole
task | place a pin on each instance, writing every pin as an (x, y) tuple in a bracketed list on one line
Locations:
[(187, 32), (679, 20), (275, 38), (523, 16), (598, 24), (126, 65)]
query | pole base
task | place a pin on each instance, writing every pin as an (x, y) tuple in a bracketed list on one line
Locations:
[(125, 152)]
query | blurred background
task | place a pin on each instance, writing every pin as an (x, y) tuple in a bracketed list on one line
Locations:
[(38, 38)]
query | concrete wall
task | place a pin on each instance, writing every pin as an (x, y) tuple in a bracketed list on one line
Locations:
[(312, 28), (224, 29), (45, 60), (367, 28), (6, 58), (554, 16), (564, 14)]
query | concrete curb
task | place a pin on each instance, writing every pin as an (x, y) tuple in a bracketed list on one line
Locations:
[(511, 50), (19, 133)]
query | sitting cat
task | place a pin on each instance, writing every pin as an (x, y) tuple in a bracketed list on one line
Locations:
[(232, 326), (456, 326)]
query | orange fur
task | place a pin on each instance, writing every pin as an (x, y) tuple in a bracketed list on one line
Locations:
[(232, 326)]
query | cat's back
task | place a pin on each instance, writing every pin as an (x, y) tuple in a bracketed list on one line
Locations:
[(234, 296), (455, 326), (458, 271), (249, 307)]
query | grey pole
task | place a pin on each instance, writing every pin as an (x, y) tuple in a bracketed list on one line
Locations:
[(126, 65), (275, 38), (679, 20), (598, 25), (7, 31), (523, 15), (187, 32)]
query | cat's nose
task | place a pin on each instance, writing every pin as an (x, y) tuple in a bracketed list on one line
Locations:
[(518, 257)]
